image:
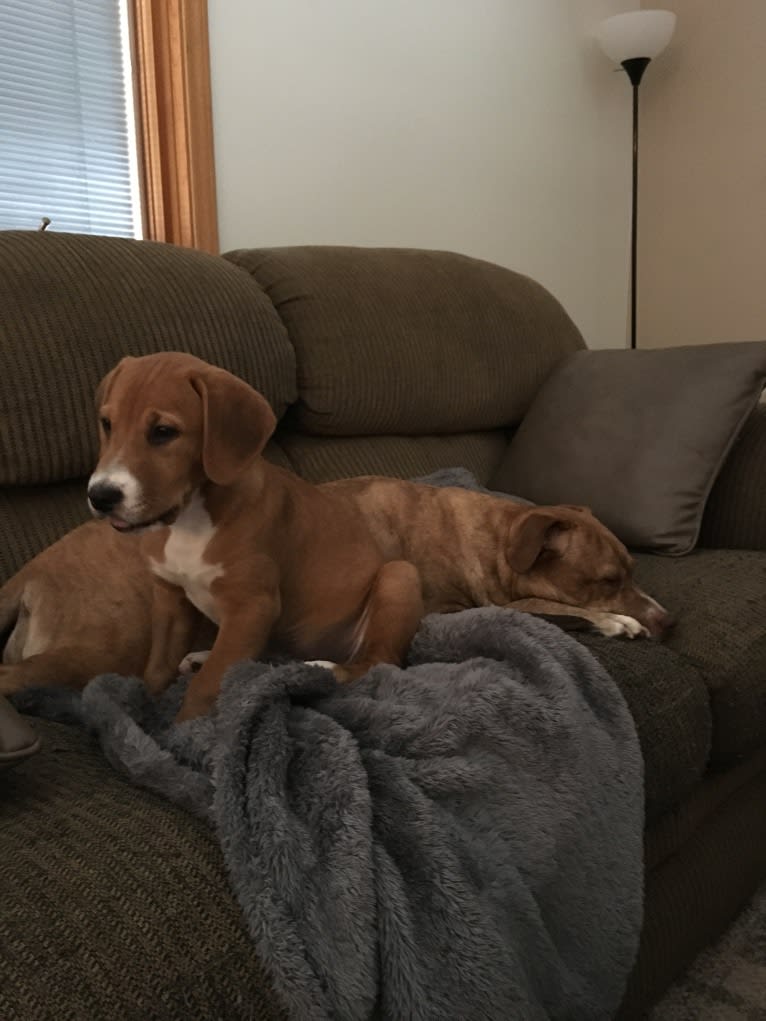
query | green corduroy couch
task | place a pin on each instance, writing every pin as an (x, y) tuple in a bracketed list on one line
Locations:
[(114, 903)]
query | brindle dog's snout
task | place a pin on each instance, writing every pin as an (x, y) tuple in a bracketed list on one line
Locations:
[(105, 496), (659, 621)]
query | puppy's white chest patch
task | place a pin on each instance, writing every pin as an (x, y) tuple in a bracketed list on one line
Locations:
[(183, 562)]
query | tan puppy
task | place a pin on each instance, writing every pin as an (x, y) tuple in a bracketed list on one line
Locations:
[(472, 549), (270, 558)]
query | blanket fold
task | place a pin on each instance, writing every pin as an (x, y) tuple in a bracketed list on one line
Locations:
[(459, 839)]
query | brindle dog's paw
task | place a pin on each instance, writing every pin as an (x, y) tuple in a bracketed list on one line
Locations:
[(618, 625)]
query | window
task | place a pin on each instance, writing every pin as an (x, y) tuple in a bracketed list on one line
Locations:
[(66, 144), (81, 145)]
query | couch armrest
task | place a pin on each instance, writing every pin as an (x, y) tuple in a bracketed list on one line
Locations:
[(735, 515)]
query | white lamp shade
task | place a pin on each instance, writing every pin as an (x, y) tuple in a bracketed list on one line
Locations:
[(635, 34)]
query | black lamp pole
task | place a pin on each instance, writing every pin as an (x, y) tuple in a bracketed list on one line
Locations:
[(634, 68)]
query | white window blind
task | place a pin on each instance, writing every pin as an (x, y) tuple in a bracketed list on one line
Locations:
[(67, 140)]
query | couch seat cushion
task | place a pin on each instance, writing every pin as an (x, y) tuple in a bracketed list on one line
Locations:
[(115, 904), (719, 598), (668, 699)]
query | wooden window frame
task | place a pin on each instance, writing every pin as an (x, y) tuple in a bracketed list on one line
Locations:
[(175, 121)]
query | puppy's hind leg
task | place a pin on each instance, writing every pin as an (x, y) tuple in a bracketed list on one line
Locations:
[(389, 620)]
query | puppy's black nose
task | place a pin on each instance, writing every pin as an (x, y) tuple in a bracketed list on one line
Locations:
[(104, 497)]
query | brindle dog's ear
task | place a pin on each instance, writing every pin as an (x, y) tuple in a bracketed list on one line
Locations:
[(237, 422), (104, 387), (533, 533), (577, 507)]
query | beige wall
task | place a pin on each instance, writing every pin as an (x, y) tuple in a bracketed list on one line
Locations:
[(491, 127), (702, 178)]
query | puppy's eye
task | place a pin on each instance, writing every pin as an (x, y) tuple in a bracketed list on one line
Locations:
[(160, 434), (106, 425)]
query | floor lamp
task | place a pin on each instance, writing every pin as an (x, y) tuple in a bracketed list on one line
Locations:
[(633, 40)]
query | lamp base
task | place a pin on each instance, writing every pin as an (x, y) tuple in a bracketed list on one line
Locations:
[(635, 67)]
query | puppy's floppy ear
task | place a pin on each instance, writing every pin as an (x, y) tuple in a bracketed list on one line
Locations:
[(236, 424), (533, 533), (104, 387)]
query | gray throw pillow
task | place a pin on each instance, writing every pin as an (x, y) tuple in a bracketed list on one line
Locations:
[(638, 436)]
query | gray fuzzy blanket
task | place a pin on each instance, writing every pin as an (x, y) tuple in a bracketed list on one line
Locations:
[(460, 839)]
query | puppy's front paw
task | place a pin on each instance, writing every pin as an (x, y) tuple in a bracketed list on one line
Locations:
[(340, 673), (190, 664), (618, 625)]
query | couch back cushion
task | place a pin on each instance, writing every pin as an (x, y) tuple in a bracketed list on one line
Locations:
[(71, 306), (409, 342)]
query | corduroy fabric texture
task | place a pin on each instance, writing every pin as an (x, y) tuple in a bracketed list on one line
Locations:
[(72, 305), (664, 837), (399, 341), (719, 598), (691, 897), (323, 459), (115, 903), (735, 515), (670, 706)]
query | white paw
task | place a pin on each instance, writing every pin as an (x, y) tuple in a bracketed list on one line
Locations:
[(190, 664), (326, 663), (615, 625)]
